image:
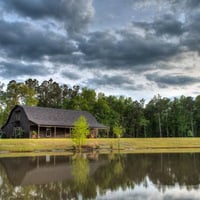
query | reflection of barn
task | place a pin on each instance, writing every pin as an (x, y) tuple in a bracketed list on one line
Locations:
[(41, 169), (47, 122)]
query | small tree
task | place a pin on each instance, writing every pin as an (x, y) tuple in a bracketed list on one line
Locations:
[(118, 131), (80, 131)]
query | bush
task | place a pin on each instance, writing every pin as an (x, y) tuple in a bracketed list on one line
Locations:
[(34, 134)]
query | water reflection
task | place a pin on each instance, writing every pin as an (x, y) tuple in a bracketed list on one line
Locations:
[(93, 176), (80, 170)]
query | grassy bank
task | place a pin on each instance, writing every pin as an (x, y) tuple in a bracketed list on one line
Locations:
[(103, 145)]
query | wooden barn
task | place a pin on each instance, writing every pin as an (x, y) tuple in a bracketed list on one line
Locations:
[(42, 122)]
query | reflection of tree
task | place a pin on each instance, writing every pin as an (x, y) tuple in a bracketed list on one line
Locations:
[(164, 169), (118, 166), (112, 174), (80, 170), (5, 186), (82, 181)]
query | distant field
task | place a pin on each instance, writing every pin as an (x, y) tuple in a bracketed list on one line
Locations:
[(134, 145)]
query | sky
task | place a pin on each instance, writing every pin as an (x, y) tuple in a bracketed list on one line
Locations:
[(133, 48)]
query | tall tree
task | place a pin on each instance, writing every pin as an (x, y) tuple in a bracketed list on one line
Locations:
[(155, 111), (16, 94), (49, 94), (197, 115), (32, 84), (2, 104), (19, 93)]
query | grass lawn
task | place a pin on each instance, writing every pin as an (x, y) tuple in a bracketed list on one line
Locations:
[(133, 145), (30, 145)]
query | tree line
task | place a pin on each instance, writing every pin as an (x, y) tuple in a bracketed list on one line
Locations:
[(160, 117)]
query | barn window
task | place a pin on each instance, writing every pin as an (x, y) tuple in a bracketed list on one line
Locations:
[(48, 132), (18, 132)]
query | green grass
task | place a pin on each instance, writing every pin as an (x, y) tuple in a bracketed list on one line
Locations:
[(30, 145), (134, 145), (147, 143)]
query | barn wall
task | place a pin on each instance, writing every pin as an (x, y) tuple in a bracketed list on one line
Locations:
[(17, 120)]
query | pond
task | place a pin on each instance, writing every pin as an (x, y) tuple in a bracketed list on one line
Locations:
[(101, 176)]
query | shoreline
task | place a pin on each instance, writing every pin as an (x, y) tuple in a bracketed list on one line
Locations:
[(63, 146)]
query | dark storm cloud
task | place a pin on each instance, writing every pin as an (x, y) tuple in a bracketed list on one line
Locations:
[(192, 38), (21, 40), (172, 80), (163, 37), (76, 15), (117, 49), (178, 18), (16, 69), (115, 81), (104, 49), (168, 24), (34, 9), (192, 4), (70, 75)]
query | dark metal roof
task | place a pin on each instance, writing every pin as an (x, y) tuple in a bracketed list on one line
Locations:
[(58, 117)]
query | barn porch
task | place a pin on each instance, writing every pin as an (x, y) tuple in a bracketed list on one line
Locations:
[(43, 131)]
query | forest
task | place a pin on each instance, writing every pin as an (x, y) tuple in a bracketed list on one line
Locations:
[(160, 117)]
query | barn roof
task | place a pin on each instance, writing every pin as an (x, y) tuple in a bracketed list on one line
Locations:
[(58, 117)]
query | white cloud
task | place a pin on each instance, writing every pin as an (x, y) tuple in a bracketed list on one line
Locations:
[(150, 192)]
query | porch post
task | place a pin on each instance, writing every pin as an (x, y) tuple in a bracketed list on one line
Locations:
[(30, 134), (97, 133), (38, 136), (54, 131)]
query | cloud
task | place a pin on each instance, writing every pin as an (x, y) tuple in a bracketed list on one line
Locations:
[(22, 40), (76, 15), (111, 50), (168, 24), (13, 70), (122, 48), (105, 49), (70, 75), (72, 35), (172, 80), (193, 4), (164, 25), (192, 38), (114, 81)]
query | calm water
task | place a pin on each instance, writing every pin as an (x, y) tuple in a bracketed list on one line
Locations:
[(93, 176)]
